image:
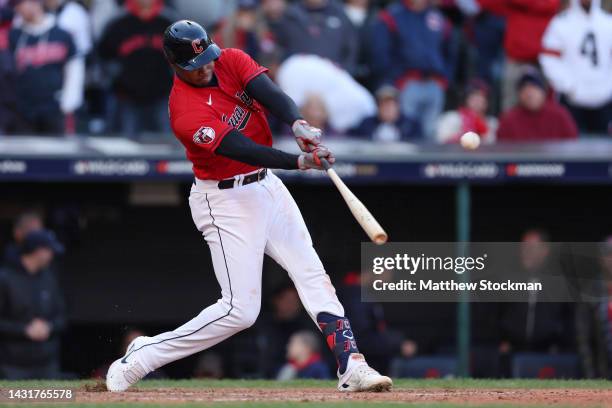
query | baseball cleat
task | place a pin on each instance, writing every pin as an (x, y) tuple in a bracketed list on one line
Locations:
[(126, 371), (359, 376)]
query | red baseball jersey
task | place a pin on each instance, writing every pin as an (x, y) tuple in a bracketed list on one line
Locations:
[(201, 117)]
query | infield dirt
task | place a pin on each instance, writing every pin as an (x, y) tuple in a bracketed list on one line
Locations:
[(518, 397)]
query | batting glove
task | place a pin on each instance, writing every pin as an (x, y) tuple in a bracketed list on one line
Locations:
[(306, 136), (312, 160)]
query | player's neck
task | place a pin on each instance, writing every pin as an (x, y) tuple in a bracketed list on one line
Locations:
[(212, 83)]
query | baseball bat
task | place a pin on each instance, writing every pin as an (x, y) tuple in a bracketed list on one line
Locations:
[(369, 224)]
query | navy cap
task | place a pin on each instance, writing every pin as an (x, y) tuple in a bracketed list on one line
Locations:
[(41, 239), (533, 77), (476, 85)]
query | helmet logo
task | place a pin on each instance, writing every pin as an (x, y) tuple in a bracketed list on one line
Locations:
[(197, 48)]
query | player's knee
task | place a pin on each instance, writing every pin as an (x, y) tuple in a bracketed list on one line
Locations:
[(250, 319), (247, 315)]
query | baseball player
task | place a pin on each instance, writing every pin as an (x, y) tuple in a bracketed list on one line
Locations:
[(242, 209)]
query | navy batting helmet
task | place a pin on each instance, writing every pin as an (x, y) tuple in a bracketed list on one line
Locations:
[(188, 45)]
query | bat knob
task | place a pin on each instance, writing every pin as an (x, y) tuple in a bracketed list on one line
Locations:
[(380, 239)]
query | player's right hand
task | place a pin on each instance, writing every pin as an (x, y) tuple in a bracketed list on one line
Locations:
[(312, 160), (307, 137)]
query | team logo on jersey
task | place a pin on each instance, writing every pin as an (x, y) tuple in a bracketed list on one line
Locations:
[(204, 135), (244, 97), (239, 119), (197, 48)]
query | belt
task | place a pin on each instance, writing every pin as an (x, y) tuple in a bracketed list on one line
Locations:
[(248, 179)]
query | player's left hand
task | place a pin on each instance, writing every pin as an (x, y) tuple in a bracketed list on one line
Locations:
[(312, 160), (307, 137)]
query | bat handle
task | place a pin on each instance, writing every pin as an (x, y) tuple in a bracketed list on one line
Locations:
[(326, 164)]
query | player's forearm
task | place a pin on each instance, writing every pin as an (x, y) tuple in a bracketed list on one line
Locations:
[(237, 146), (264, 90)]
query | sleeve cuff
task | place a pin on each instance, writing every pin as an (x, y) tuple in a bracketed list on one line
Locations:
[(218, 140), (261, 70)]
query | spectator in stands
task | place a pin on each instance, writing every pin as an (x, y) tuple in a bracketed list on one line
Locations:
[(535, 118), (470, 117), (24, 224), (593, 319), (209, 365), (360, 13), (357, 12), (31, 312), (533, 326), (273, 10), (133, 42), (7, 96), (526, 21), (347, 102), (577, 60), (72, 17), (287, 317), (485, 35), (208, 13), (49, 72), (318, 27), (101, 12), (399, 366), (246, 30), (315, 113), (304, 358), (409, 52), (389, 124)]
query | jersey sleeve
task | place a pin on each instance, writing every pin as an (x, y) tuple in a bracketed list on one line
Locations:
[(72, 51), (553, 58), (245, 68), (66, 38), (200, 131)]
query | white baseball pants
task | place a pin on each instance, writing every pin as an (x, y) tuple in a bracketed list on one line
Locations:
[(240, 225)]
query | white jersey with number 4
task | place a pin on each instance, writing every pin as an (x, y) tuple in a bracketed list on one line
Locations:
[(577, 54)]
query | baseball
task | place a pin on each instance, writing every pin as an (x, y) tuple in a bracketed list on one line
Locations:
[(470, 140)]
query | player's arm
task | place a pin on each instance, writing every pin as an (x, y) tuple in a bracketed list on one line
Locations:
[(237, 146), (264, 90), (273, 98)]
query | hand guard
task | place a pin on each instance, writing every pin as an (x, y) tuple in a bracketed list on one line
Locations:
[(312, 160), (306, 136)]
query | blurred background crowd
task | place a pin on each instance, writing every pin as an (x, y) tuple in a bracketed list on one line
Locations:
[(420, 70)]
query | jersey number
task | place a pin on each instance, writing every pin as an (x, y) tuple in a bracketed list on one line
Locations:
[(589, 48)]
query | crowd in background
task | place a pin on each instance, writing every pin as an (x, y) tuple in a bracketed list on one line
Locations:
[(429, 70)]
